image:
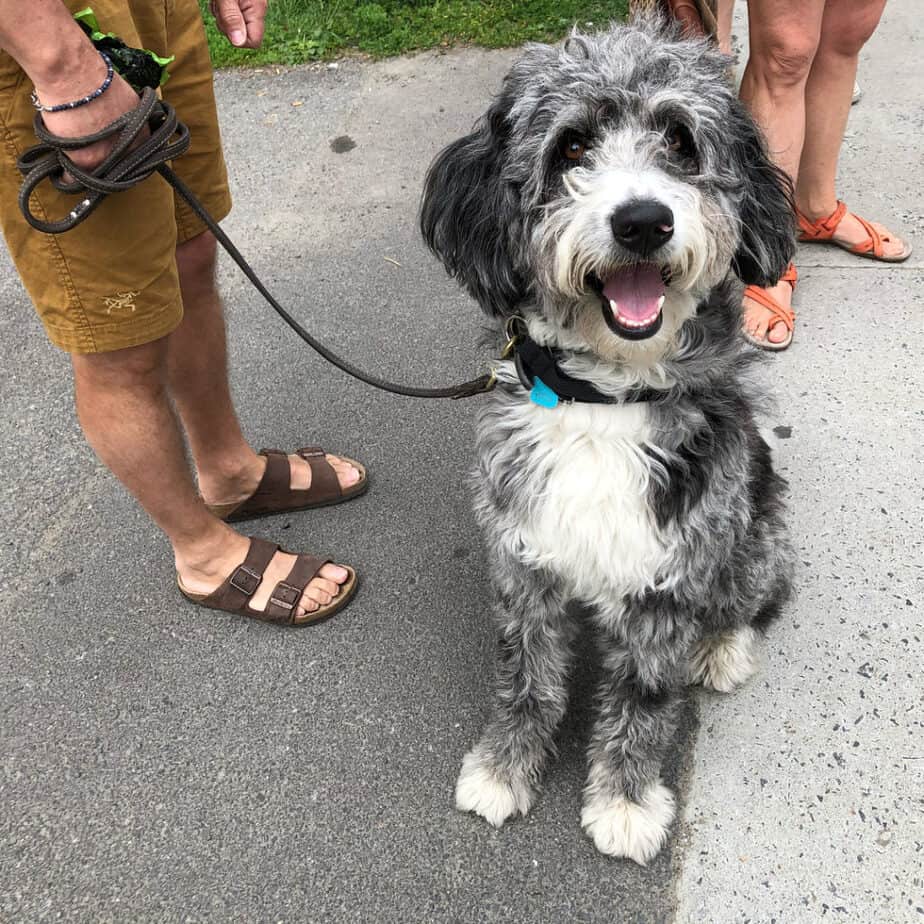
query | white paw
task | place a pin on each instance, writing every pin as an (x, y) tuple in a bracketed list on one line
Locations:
[(621, 828), (723, 662), (480, 790)]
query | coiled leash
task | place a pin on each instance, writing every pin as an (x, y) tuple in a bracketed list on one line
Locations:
[(127, 166)]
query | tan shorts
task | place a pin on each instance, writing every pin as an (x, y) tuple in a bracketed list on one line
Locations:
[(112, 282)]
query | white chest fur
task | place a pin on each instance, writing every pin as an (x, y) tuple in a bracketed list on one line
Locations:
[(590, 520)]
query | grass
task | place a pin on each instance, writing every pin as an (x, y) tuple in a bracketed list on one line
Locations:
[(298, 31)]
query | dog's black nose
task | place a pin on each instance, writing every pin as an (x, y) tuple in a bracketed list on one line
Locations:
[(642, 226)]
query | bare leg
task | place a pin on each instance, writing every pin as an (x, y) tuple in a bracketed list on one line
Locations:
[(229, 470), (126, 415), (784, 36), (725, 15), (846, 27)]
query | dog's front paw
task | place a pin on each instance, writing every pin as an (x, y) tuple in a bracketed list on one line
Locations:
[(482, 790), (622, 828), (724, 662)]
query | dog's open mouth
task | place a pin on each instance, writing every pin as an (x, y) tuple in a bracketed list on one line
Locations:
[(632, 298)]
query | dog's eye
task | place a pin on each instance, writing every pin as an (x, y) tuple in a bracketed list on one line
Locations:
[(573, 148), (680, 142)]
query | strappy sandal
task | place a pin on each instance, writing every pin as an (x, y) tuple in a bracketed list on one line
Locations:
[(822, 232), (779, 312), (233, 596), (273, 494)]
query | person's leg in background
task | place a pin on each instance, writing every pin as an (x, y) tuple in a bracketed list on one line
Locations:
[(725, 13), (784, 38), (846, 27)]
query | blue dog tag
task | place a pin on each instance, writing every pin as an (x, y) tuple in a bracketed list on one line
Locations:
[(542, 394)]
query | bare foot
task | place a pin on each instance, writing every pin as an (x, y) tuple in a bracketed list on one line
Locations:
[(760, 322), (205, 571)]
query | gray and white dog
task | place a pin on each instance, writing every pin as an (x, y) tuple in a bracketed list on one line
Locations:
[(604, 198)]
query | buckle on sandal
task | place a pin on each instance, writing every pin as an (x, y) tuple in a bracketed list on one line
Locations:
[(285, 596), (246, 580)]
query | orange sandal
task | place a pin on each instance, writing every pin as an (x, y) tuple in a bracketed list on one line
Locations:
[(822, 232), (779, 312)]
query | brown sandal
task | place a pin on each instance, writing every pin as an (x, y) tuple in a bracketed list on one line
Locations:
[(233, 596), (273, 494)]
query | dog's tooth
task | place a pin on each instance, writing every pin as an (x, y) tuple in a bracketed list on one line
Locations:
[(614, 306), (660, 303)]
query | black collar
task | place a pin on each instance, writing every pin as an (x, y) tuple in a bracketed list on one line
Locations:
[(542, 376)]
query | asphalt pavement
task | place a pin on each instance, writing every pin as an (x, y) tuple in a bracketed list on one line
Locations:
[(163, 763)]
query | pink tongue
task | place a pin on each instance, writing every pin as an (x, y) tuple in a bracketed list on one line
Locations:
[(636, 290)]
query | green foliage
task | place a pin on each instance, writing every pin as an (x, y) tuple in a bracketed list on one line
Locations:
[(310, 30), (373, 20)]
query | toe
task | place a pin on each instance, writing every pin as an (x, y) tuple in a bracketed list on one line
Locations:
[(892, 245), (317, 595), (329, 587), (347, 474), (755, 319), (334, 573), (321, 591), (777, 333)]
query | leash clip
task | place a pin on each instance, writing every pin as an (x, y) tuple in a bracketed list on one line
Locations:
[(514, 336)]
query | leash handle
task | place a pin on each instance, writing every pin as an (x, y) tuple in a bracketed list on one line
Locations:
[(127, 166), (122, 168)]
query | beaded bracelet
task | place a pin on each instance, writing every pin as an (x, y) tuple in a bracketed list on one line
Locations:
[(62, 107)]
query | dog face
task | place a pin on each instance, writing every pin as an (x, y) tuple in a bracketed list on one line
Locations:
[(613, 182)]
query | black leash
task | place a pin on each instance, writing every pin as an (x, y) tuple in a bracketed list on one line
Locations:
[(126, 166)]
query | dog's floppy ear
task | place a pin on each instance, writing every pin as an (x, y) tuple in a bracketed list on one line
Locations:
[(766, 210), (470, 213)]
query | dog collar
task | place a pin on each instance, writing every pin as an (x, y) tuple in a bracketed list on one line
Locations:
[(540, 373)]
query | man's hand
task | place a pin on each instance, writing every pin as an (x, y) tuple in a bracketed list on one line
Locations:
[(63, 66), (240, 20), (89, 119)]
